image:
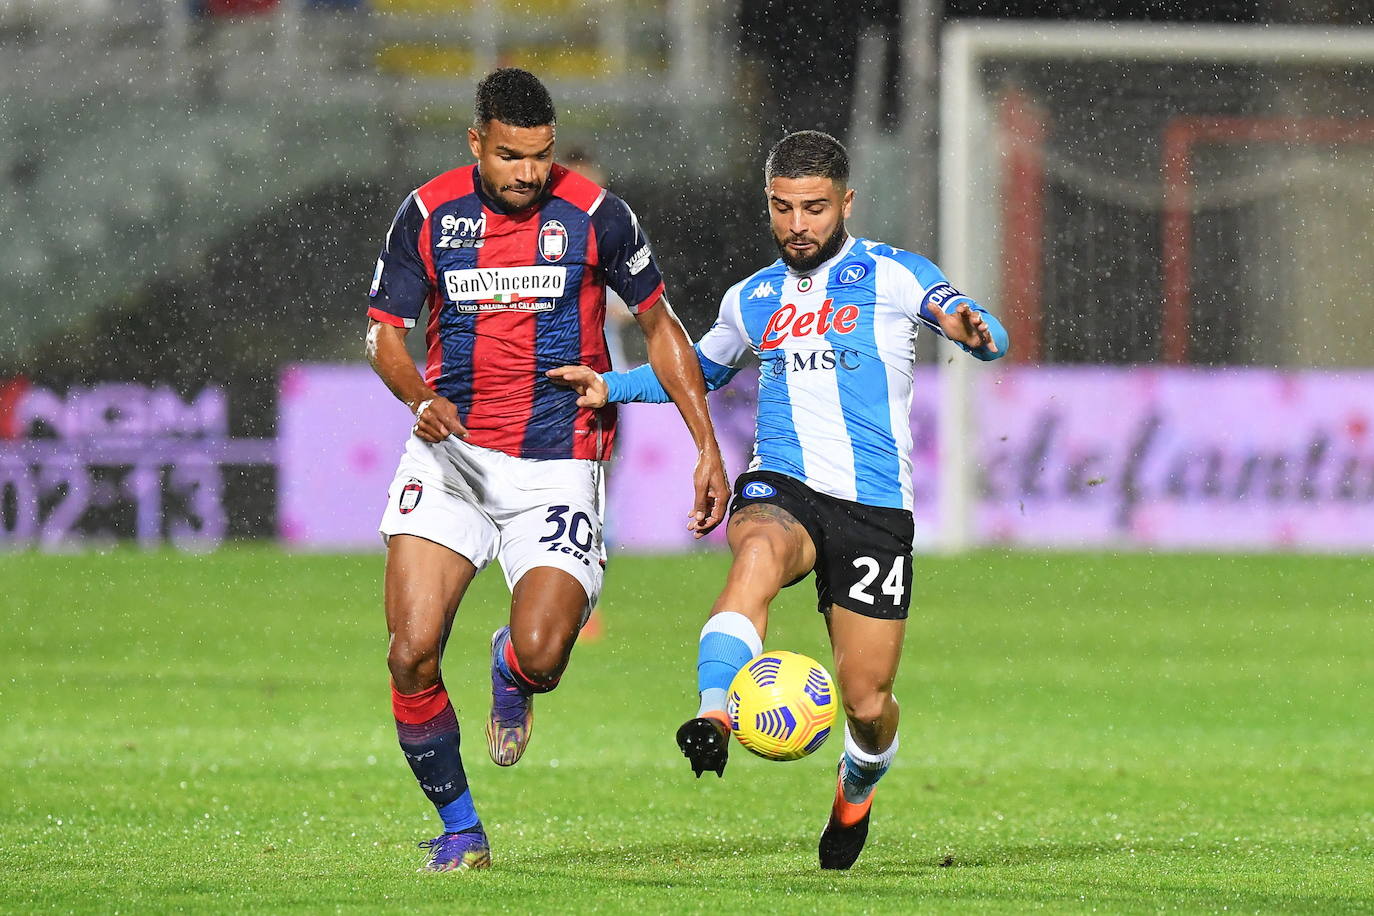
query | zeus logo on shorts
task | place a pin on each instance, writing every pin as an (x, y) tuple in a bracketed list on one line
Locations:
[(757, 489), (410, 496), (576, 529)]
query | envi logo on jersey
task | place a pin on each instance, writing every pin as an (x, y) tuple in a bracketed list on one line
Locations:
[(785, 323)]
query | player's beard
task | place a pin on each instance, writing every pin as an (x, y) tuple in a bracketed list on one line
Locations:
[(824, 252), (523, 202)]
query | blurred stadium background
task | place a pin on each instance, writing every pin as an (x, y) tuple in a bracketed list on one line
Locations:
[(1171, 204)]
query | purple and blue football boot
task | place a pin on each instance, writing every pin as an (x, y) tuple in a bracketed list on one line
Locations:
[(463, 851), (512, 709)]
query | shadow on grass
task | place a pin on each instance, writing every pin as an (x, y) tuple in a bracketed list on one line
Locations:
[(1088, 874), (669, 862)]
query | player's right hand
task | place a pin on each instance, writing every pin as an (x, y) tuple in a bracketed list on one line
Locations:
[(588, 383), (712, 493), (436, 419)]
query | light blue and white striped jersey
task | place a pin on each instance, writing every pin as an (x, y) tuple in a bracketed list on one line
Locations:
[(836, 347)]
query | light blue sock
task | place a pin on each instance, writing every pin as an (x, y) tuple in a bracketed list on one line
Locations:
[(728, 642), (862, 770)]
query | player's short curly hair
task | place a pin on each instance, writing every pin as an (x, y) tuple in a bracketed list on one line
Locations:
[(807, 154), (512, 96)]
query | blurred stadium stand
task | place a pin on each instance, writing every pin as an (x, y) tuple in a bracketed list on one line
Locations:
[(140, 141)]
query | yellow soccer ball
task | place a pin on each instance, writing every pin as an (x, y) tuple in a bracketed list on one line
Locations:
[(782, 705)]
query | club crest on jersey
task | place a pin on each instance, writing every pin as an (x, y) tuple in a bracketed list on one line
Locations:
[(757, 489), (553, 240), (853, 274), (410, 496)]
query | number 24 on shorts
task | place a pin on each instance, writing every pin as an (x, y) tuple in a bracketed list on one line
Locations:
[(892, 584)]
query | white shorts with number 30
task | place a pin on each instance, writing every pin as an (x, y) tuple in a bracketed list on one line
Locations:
[(486, 505)]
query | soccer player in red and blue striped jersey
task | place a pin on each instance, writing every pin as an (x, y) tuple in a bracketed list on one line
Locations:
[(510, 259)]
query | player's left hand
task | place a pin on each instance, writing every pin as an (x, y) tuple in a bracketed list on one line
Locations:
[(587, 382), (966, 326), (712, 493)]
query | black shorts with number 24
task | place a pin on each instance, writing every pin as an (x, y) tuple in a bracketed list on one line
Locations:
[(863, 553)]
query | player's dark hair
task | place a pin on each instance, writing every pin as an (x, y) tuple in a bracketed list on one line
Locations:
[(512, 96), (808, 154)]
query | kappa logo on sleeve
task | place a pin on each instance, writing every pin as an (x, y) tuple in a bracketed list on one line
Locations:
[(410, 496)]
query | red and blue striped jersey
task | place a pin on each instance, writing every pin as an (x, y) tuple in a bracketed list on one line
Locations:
[(511, 295)]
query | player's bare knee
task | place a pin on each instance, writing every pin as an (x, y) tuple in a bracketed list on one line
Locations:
[(866, 707), (544, 667), (413, 665), (541, 656)]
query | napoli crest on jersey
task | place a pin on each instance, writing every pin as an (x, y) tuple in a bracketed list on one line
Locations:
[(410, 496), (852, 274), (553, 240)]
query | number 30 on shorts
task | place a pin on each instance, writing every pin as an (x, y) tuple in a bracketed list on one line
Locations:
[(891, 586), (576, 527)]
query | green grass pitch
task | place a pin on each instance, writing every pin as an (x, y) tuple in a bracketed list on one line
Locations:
[(211, 733)]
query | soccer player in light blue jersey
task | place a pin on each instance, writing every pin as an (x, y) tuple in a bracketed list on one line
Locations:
[(833, 323)]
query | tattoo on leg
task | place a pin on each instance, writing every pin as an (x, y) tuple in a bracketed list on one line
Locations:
[(767, 514)]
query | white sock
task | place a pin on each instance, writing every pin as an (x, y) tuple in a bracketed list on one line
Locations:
[(712, 700), (862, 770)]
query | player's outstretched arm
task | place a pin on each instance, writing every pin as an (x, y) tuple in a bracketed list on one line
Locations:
[(639, 385), (435, 417), (675, 364), (972, 327)]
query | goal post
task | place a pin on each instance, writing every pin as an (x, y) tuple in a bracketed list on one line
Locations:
[(1067, 155)]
